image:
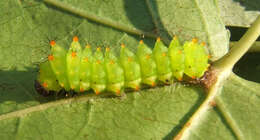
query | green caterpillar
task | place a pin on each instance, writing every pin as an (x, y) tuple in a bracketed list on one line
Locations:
[(80, 70)]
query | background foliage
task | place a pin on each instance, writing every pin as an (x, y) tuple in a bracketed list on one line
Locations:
[(26, 26)]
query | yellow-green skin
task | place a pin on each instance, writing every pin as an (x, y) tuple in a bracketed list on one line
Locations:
[(147, 63), (47, 78), (115, 73), (162, 60), (59, 65), (196, 60), (98, 75), (131, 67), (73, 65), (85, 69), (177, 58), (80, 70)]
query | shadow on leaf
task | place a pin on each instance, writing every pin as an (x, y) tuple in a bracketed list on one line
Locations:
[(16, 87)]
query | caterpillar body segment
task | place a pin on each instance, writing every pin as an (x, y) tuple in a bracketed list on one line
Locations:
[(47, 78), (98, 75), (132, 70), (177, 58), (58, 63), (115, 73), (162, 60), (196, 61), (73, 64), (79, 70), (147, 64), (85, 68)]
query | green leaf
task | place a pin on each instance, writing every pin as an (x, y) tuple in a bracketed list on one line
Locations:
[(160, 113), (148, 114), (240, 101), (240, 13)]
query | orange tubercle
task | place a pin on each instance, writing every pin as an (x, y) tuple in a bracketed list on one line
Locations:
[(50, 57), (123, 45), (73, 54), (52, 43), (203, 44), (45, 85), (136, 88), (164, 54), (81, 89), (141, 42), (97, 92), (62, 85), (147, 56), (193, 77), (72, 87), (98, 62), (98, 49), (86, 59), (179, 51), (209, 56), (129, 59), (75, 39), (180, 78), (194, 40), (158, 39), (153, 84), (118, 91), (107, 49)]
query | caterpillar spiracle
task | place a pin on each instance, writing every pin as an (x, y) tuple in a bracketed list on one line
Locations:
[(80, 69)]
